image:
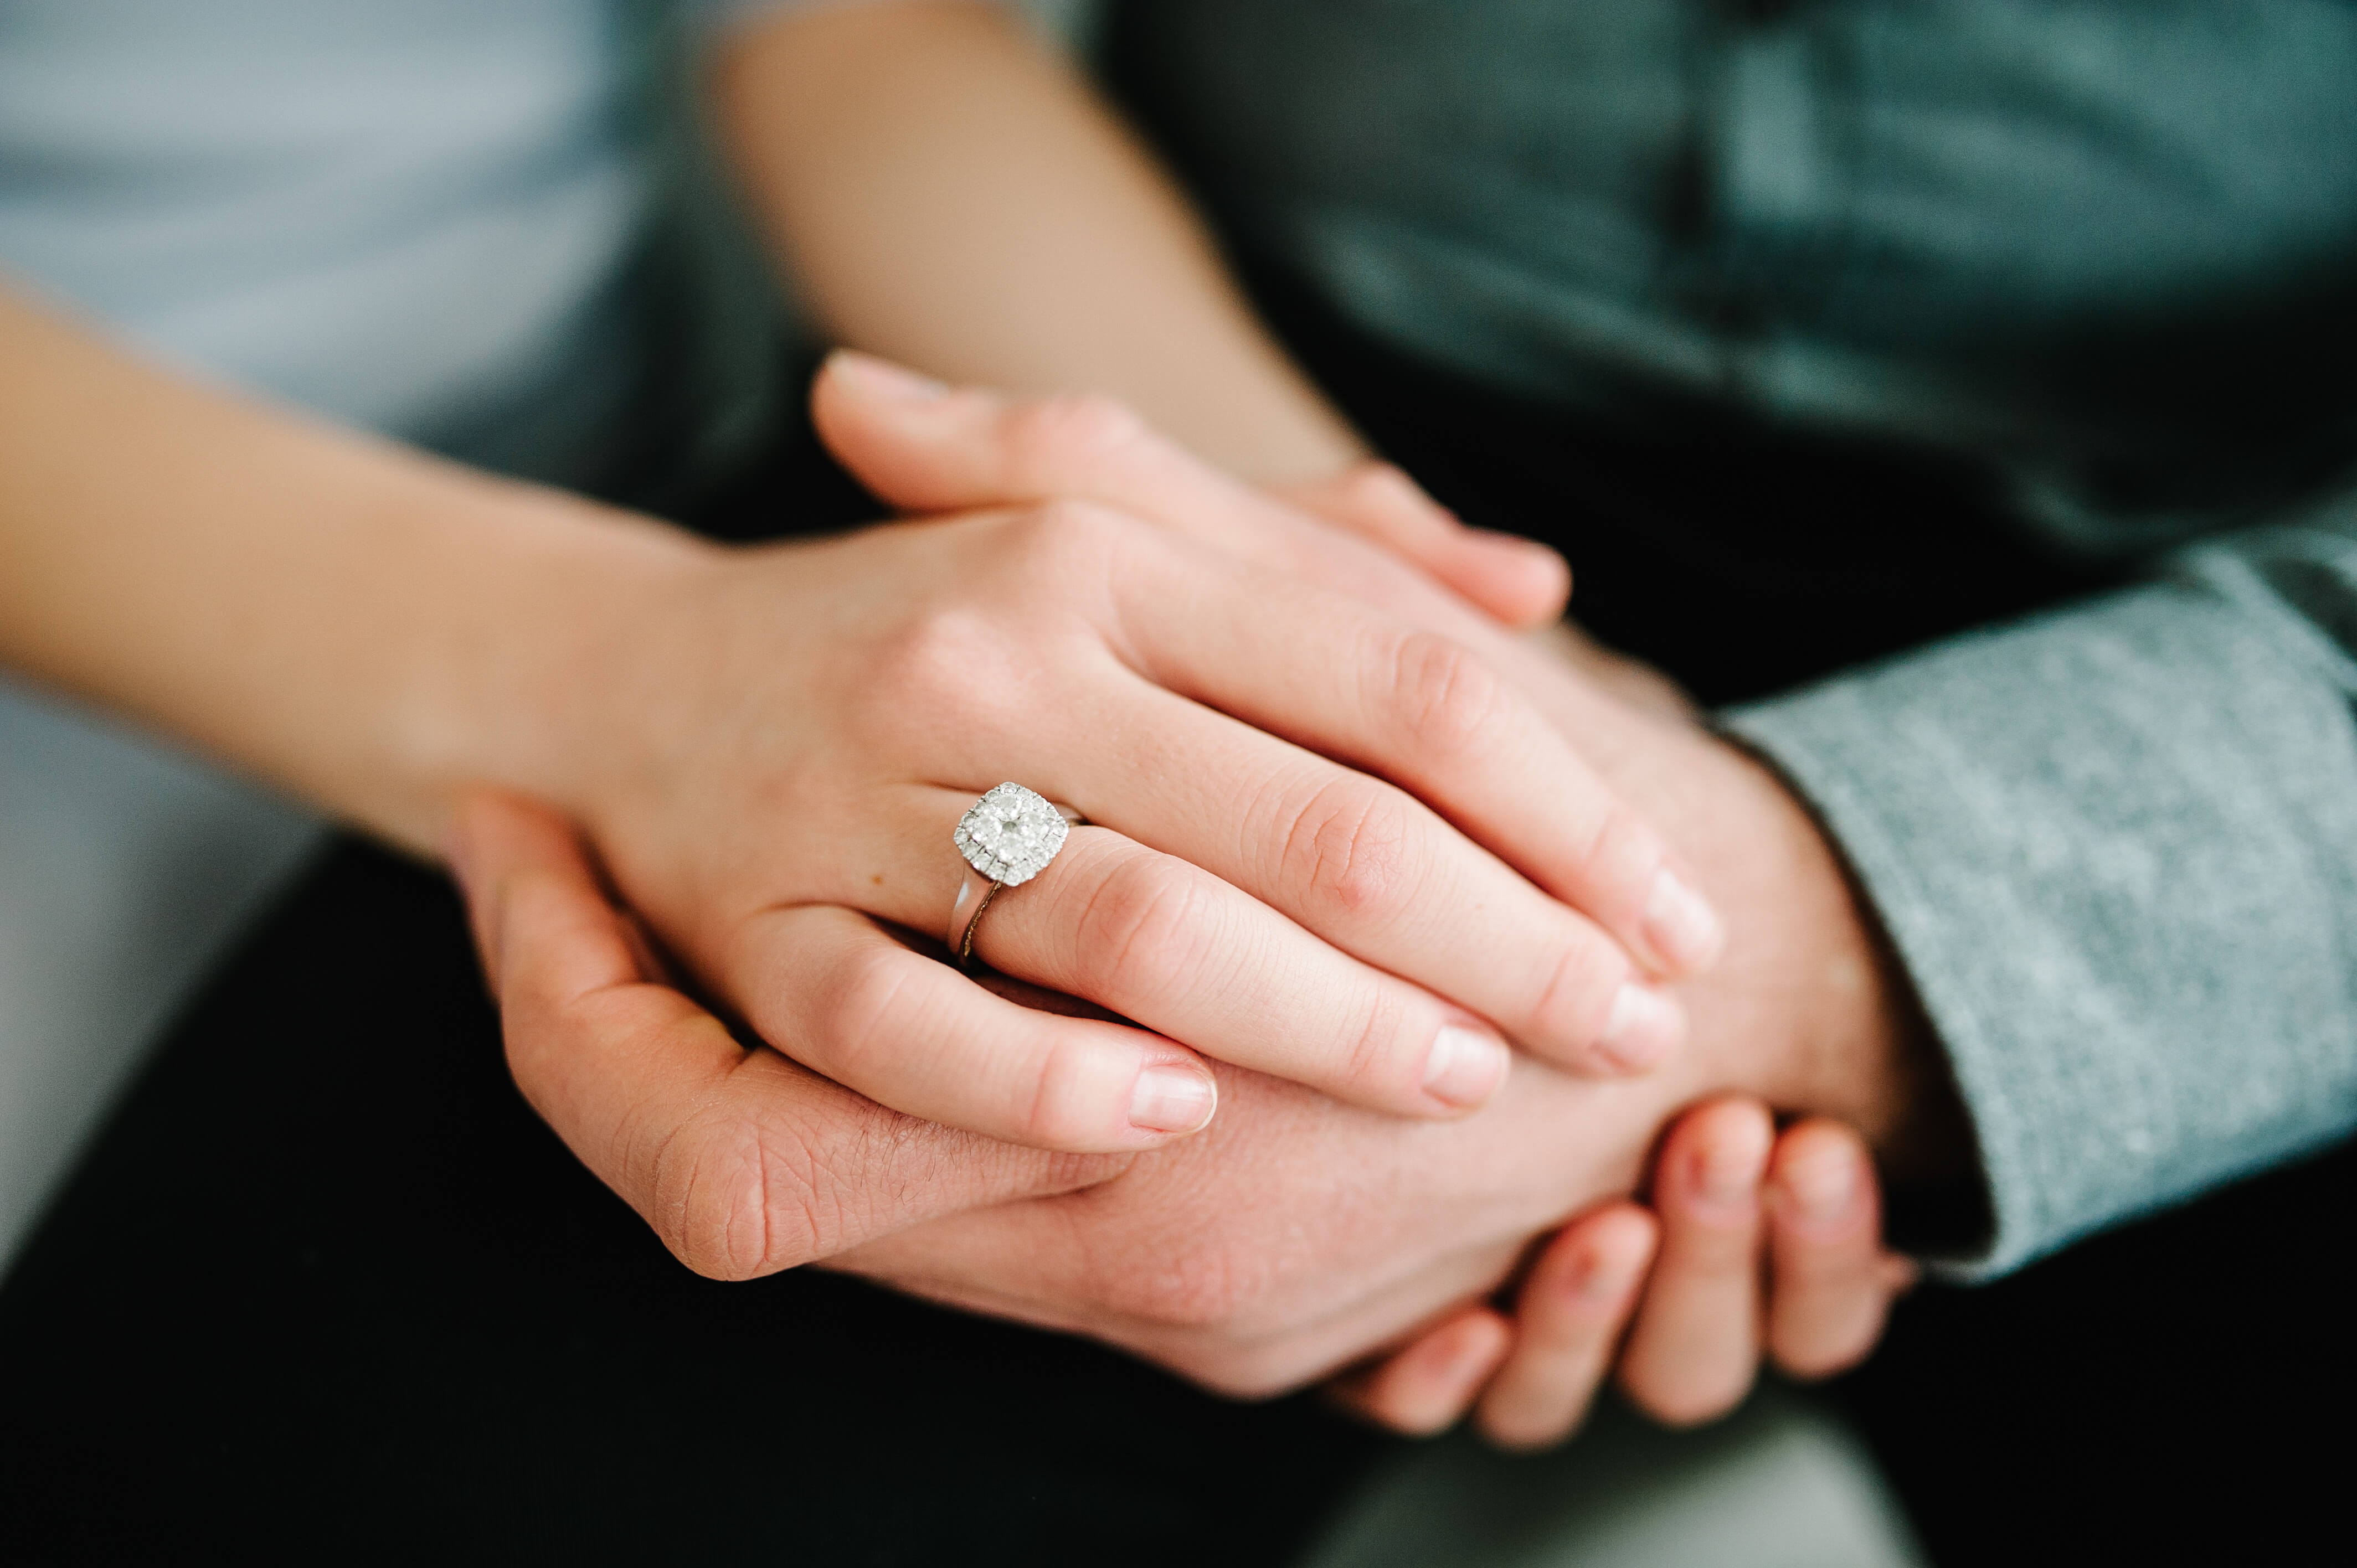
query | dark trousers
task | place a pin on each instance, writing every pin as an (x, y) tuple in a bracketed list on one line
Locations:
[(326, 1290)]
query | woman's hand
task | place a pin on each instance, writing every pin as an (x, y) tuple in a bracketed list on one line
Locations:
[(1754, 1236), (772, 763), (1303, 810)]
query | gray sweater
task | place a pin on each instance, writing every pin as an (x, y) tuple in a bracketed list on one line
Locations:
[(2107, 248)]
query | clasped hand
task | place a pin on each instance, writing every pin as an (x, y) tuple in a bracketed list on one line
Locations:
[(1333, 849)]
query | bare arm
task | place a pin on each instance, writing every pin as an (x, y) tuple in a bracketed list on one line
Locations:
[(356, 621), (947, 193)]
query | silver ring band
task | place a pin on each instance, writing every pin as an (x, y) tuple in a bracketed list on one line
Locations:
[(1006, 838)]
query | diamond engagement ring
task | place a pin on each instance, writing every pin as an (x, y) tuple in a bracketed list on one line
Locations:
[(1008, 838)]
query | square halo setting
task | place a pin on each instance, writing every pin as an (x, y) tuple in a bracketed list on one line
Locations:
[(1010, 835)]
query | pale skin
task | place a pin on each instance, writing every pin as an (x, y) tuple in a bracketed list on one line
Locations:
[(381, 633), (1802, 1012), (1194, 1256)]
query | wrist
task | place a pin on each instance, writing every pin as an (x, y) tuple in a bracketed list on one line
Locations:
[(1809, 1008), (526, 686)]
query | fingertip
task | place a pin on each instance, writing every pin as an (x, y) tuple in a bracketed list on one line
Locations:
[(1685, 929), (1595, 1265), (908, 438), (1173, 1099), (850, 372), (1644, 1027), (1465, 1067), (1718, 1157), (1434, 1382), (1620, 1241), (1571, 1313), (1821, 1175), (1686, 1408), (1428, 1385), (1528, 584)]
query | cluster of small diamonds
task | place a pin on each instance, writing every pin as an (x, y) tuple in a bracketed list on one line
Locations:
[(1010, 835)]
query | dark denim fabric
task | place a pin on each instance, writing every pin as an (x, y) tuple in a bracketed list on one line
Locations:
[(2102, 255)]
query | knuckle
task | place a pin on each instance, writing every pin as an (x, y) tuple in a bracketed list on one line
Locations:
[(1145, 927), (933, 664), (711, 1192), (1448, 700), (1348, 849), (855, 1011)]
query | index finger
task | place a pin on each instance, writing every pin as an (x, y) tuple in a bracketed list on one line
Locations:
[(926, 447), (742, 1160)]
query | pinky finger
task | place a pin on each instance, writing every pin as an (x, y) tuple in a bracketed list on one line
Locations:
[(1427, 1387), (827, 987), (1568, 1321)]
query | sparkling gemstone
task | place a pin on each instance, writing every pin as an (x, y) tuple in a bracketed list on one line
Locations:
[(1010, 835)]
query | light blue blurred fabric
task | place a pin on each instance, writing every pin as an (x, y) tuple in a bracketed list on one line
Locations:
[(2105, 249), (428, 218), (422, 216)]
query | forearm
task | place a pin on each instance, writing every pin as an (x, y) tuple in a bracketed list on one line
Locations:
[(945, 192), (356, 622)]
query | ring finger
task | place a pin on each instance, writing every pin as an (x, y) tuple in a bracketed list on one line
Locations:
[(1162, 941), (1359, 862)]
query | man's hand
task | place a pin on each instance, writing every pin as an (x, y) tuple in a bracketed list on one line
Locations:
[(742, 1162), (1291, 1238), (1297, 1233), (1747, 1241)]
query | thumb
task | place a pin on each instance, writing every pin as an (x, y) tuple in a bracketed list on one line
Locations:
[(927, 448), (741, 1161)]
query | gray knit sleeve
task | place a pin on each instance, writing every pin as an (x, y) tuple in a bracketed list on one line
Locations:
[(2115, 848)]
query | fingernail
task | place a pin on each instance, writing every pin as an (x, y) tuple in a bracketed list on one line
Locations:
[(1727, 1170), (1465, 1066), (1460, 1357), (1595, 1277), (1681, 924), (1170, 1099), (884, 379), (1643, 1028), (1822, 1184)]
